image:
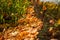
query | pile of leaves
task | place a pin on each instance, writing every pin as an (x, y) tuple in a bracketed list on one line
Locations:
[(27, 29)]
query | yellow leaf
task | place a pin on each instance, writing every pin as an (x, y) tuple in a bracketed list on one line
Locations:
[(58, 21), (51, 28)]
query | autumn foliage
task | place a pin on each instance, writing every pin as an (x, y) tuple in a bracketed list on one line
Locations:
[(29, 20)]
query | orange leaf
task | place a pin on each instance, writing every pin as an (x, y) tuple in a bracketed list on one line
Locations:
[(44, 8)]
